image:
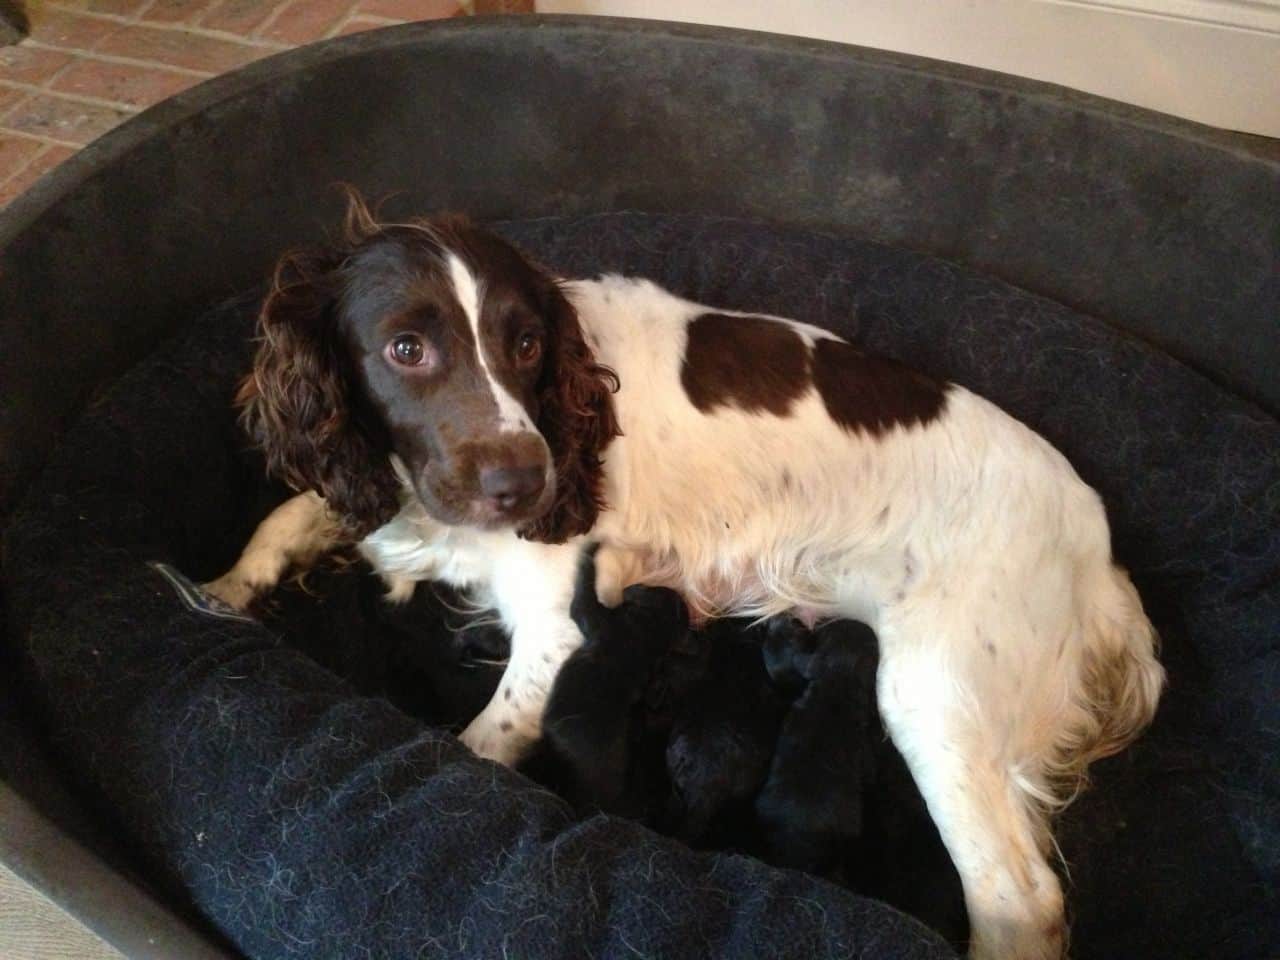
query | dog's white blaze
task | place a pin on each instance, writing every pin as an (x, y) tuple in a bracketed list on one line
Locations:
[(512, 417)]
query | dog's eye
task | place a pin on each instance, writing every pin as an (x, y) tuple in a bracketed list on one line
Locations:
[(408, 350), (528, 348)]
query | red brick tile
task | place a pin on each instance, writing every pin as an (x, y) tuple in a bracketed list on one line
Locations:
[(121, 83), (238, 16), (52, 156), (30, 64), (357, 25), (175, 11), (504, 6), (305, 20), (10, 98), (72, 30), (411, 9), (120, 8), (178, 48), (59, 119), (16, 153)]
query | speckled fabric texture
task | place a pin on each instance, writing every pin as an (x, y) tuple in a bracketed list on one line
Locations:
[(306, 818)]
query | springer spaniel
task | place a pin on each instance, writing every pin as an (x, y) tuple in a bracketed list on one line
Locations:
[(466, 417)]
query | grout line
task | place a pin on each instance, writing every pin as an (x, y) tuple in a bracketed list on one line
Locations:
[(198, 19), (9, 131), (253, 41), (48, 81), (355, 14), (338, 27), (375, 18), (272, 17), (73, 97), (45, 148), (21, 101), (126, 61)]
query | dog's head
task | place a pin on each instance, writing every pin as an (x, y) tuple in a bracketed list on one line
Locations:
[(435, 350)]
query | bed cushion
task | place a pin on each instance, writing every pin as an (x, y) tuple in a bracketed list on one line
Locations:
[(272, 786)]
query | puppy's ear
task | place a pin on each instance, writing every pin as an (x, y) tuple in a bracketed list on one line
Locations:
[(586, 610), (577, 419), (300, 403)]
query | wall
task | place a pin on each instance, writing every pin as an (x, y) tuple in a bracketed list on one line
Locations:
[(1215, 61)]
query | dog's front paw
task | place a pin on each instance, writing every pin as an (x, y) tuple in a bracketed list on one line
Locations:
[(233, 590), (489, 740), (255, 574)]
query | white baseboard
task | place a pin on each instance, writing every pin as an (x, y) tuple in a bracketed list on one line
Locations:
[(1260, 15), (1213, 61)]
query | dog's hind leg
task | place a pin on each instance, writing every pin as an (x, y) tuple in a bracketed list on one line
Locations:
[(955, 739)]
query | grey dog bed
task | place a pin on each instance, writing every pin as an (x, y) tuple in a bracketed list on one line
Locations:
[(303, 819)]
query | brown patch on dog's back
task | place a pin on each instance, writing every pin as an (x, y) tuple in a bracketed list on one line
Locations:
[(752, 363), (873, 394)]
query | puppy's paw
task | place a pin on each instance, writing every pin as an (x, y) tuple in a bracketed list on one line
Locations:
[(616, 569), (399, 589)]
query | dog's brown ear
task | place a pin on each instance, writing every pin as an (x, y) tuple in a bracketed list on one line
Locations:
[(577, 419), (299, 403)]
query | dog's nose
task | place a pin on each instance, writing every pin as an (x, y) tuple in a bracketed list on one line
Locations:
[(510, 487)]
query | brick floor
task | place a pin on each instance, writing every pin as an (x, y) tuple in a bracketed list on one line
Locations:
[(241, 17), (122, 83), (91, 64), (10, 97), (61, 120), (26, 64), (15, 155), (47, 157)]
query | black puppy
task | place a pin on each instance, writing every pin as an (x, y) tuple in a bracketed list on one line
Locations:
[(840, 800), (590, 751), (721, 740), (764, 739), (811, 807), (420, 655)]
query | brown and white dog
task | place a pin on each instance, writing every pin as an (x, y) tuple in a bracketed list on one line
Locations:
[(465, 417)]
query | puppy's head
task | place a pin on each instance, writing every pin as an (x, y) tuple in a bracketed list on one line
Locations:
[(640, 628), (430, 355)]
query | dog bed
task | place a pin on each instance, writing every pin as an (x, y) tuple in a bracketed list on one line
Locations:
[(304, 817)]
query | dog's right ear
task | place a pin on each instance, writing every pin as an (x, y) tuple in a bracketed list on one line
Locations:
[(300, 403)]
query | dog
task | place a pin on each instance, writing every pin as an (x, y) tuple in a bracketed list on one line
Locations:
[(465, 416)]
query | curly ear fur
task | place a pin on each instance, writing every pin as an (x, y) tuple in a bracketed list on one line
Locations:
[(577, 419), (298, 402)]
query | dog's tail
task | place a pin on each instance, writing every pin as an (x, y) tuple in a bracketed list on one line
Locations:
[(1114, 694), (1121, 680), (1122, 677)]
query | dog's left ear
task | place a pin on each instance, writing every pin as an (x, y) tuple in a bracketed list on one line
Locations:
[(577, 419)]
